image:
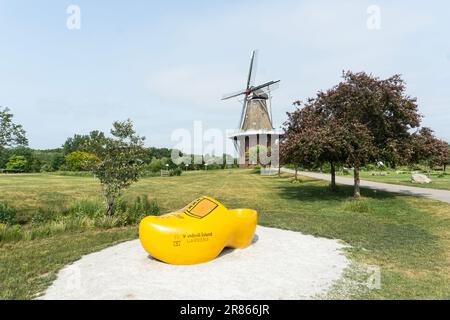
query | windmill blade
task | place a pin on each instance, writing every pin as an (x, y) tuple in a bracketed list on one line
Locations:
[(244, 106), (267, 84), (232, 95), (252, 70), (272, 87)]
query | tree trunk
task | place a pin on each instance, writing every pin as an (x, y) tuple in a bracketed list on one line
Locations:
[(109, 210), (333, 177), (109, 206), (279, 170), (295, 175), (357, 192)]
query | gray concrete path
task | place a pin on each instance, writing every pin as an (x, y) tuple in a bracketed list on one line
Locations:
[(436, 194)]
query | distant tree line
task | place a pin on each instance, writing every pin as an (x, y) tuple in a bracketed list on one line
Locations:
[(27, 160), (78, 153)]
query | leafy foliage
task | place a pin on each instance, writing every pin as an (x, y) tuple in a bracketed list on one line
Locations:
[(176, 172), (11, 134), (18, 163), (428, 148), (120, 160), (7, 214), (80, 161), (362, 119)]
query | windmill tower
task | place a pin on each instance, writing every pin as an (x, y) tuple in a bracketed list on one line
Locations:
[(255, 125)]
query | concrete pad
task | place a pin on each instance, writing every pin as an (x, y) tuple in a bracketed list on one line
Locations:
[(278, 265)]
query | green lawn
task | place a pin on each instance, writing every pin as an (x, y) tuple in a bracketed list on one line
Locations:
[(409, 238), (438, 180)]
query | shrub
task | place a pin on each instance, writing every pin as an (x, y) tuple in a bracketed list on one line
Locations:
[(256, 169), (345, 171), (369, 167), (16, 162), (46, 168), (85, 208), (42, 216), (141, 207), (80, 161), (175, 172), (10, 233), (325, 167), (7, 214), (155, 165)]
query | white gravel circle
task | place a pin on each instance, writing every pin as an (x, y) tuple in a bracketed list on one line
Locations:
[(279, 264)]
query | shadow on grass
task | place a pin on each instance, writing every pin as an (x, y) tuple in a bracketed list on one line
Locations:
[(313, 190)]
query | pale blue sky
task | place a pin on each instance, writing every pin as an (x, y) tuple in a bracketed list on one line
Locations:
[(165, 64)]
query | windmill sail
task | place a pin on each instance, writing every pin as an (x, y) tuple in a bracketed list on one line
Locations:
[(255, 114)]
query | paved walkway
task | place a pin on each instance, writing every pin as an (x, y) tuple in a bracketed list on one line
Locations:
[(436, 194)]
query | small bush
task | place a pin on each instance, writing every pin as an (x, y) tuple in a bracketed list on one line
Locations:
[(175, 172), (108, 222), (7, 214), (256, 169), (346, 171), (85, 208), (42, 216), (46, 168), (141, 207), (325, 168), (10, 233)]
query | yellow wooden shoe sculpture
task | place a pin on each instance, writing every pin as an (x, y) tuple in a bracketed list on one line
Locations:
[(198, 232)]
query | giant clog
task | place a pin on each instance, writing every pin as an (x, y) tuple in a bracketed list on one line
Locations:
[(198, 232)]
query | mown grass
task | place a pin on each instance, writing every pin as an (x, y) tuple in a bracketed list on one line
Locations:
[(439, 180), (407, 237), (28, 267)]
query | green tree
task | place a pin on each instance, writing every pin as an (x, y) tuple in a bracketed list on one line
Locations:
[(120, 160), (80, 161), (56, 161), (376, 116), (428, 148), (18, 163), (155, 165), (447, 162), (36, 165), (11, 134), (24, 152), (81, 142), (312, 138)]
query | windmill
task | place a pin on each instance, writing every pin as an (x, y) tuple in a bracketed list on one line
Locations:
[(255, 123)]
